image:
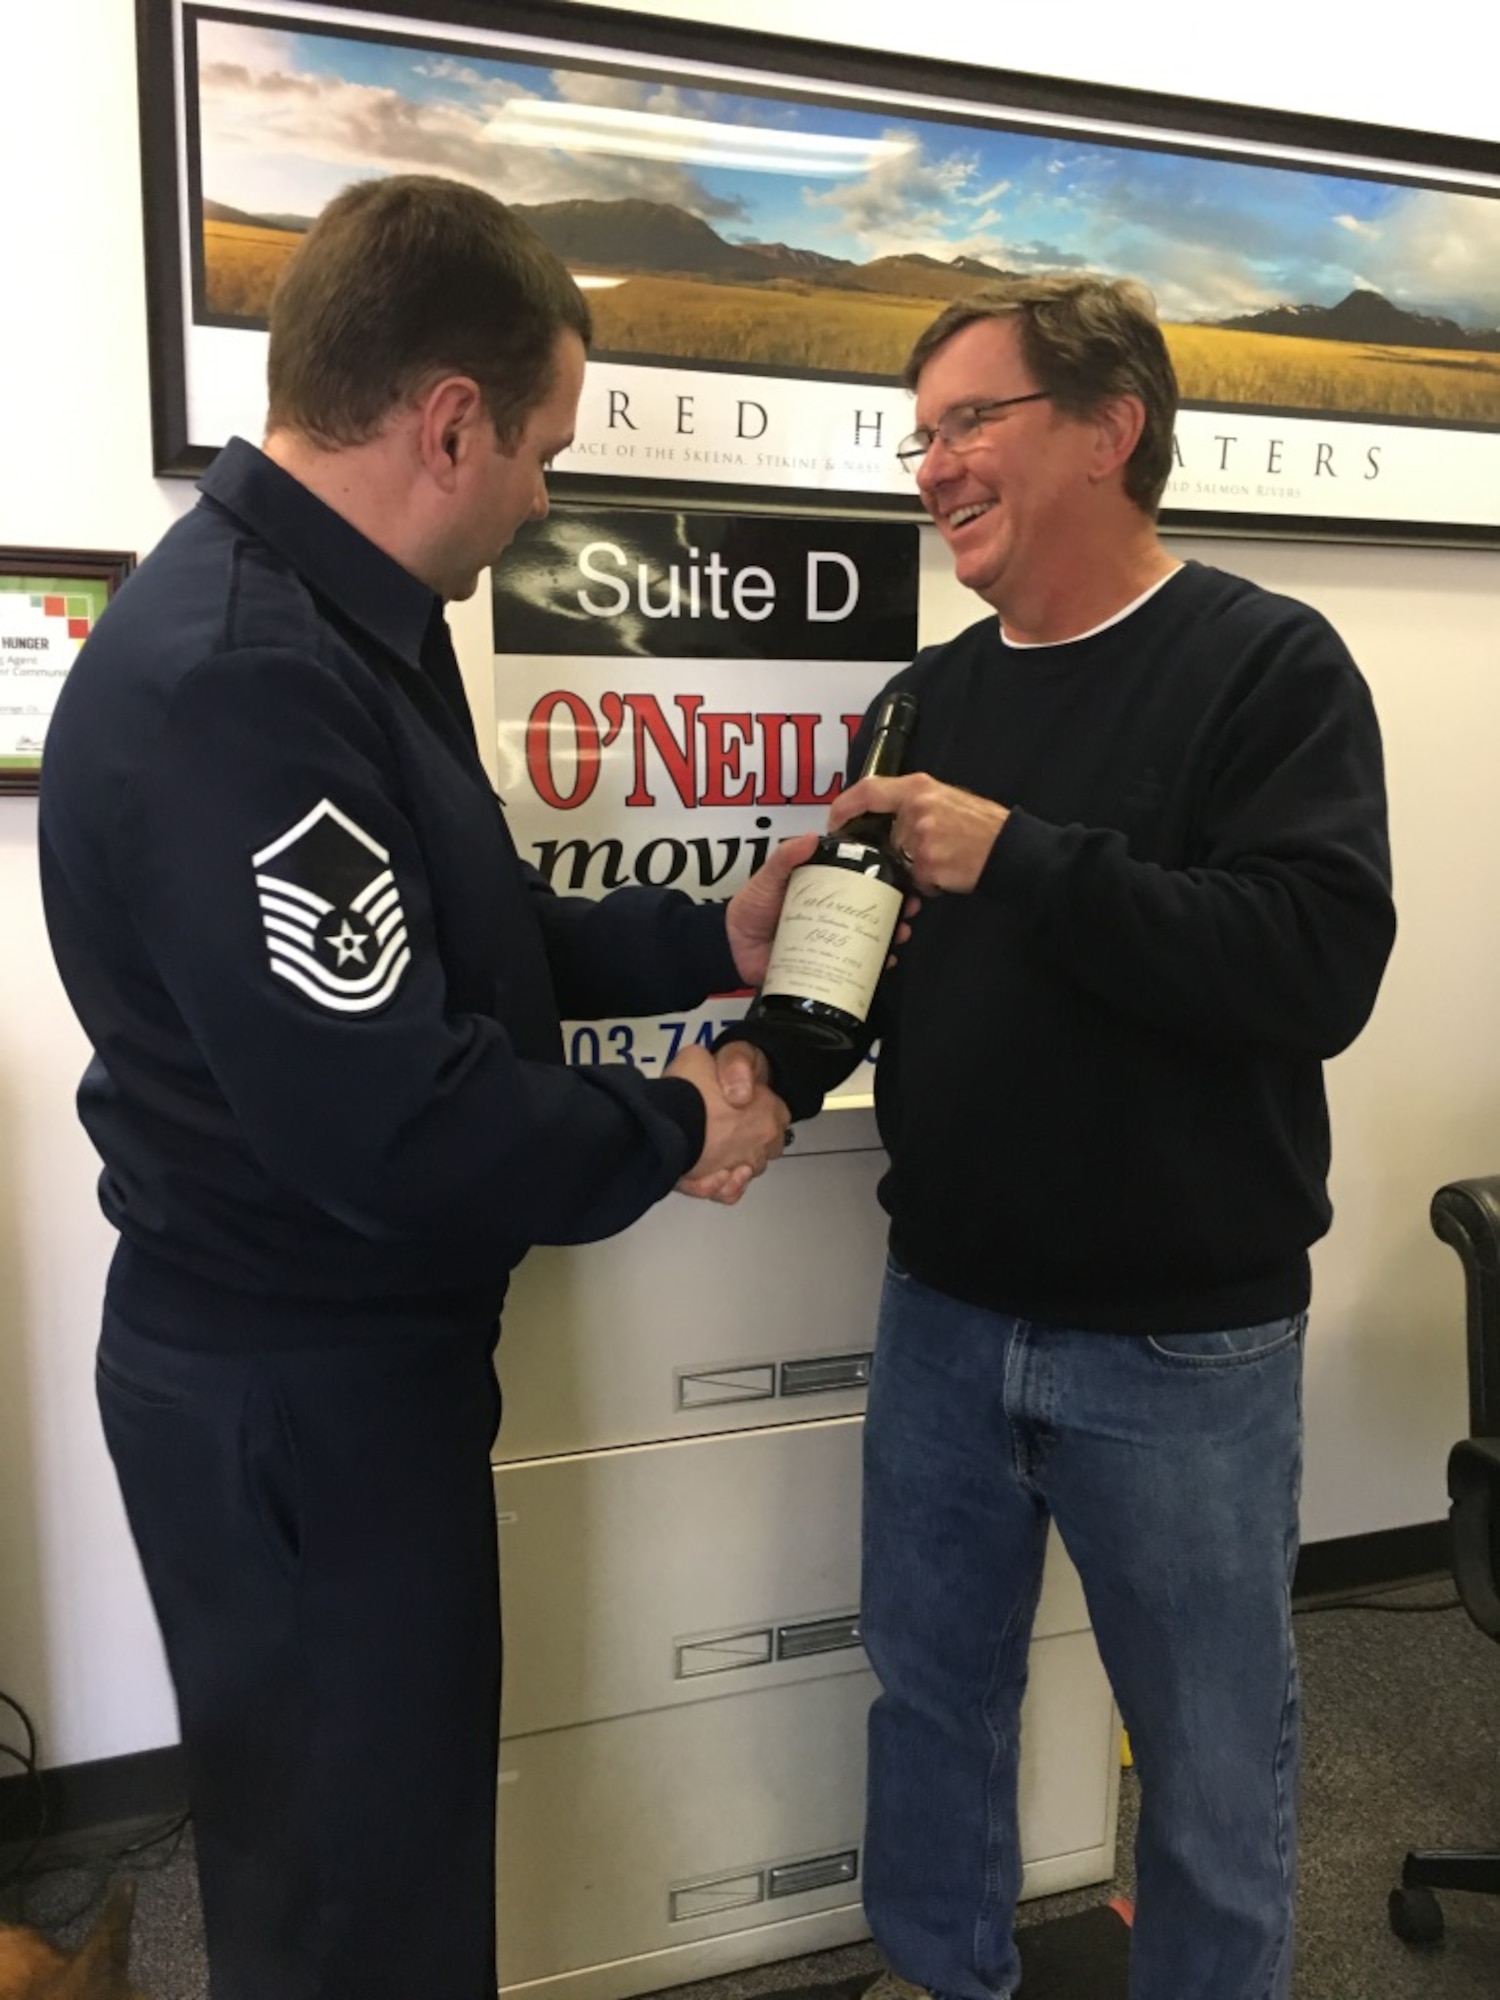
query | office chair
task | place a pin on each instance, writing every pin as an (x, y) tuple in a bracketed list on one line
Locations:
[(1466, 1214)]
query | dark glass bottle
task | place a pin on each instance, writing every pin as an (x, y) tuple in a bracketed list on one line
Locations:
[(841, 911)]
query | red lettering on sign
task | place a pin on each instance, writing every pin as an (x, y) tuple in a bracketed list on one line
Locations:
[(540, 745)]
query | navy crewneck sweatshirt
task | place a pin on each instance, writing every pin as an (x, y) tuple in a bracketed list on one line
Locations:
[(1100, 1079)]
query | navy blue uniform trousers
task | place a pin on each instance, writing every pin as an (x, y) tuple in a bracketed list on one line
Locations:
[(317, 1530)]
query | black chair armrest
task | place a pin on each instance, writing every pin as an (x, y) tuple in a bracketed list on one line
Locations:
[(1474, 1488), (1466, 1215)]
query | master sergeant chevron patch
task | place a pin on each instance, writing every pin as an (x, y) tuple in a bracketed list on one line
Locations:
[(332, 914)]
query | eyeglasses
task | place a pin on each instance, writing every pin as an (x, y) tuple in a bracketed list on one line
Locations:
[(959, 429)]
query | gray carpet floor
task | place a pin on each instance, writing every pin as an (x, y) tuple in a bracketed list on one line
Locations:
[(1401, 1749)]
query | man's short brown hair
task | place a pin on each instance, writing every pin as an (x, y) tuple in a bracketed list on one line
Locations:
[(1084, 340), (402, 281)]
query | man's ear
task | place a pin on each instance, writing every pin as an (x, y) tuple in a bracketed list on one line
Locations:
[(451, 423), (1118, 426)]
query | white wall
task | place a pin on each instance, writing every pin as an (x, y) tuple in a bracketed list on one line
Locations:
[(1416, 1102), (77, 1643)]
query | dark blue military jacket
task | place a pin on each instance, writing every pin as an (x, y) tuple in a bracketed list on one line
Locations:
[(323, 991)]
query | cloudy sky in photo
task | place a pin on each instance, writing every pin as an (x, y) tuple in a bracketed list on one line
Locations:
[(288, 117)]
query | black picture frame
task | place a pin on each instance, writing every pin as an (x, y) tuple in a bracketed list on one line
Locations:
[(48, 600), (1424, 470)]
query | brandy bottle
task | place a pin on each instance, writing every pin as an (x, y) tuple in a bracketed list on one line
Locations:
[(841, 911)]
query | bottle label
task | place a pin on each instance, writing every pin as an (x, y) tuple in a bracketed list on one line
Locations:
[(833, 938)]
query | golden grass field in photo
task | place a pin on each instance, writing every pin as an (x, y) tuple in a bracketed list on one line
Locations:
[(1220, 364), (797, 327), (241, 263), (811, 328)]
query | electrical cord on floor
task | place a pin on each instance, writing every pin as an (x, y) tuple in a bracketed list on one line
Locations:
[(99, 1869), (99, 1865), (34, 1799), (1385, 1610)]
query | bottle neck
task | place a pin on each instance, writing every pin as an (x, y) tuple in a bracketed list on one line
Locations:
[(894, 723), (893, 728)]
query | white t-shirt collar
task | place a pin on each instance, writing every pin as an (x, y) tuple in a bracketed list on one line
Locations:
[(1126, 611)]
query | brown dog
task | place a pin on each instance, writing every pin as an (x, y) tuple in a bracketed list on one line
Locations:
[(32, 1969)]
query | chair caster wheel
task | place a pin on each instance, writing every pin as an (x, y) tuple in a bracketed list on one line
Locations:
[(1416, 1916)]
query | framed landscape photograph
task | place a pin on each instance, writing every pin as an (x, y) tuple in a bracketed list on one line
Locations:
[(763, 227), (50, 600)]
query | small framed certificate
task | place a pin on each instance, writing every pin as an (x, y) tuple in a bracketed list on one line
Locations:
[(50, 600)]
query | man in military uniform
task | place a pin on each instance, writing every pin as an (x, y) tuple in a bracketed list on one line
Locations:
[(328, 1089)]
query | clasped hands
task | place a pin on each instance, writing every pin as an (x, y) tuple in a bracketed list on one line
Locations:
[(746, 1125)]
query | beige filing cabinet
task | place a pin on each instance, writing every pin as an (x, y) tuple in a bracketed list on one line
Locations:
[(682, 1759)]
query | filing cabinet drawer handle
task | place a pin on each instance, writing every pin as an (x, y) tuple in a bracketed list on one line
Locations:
[(824, 1372), (817, 1635), (796, 1878), (763, 1645), (775, 1881), (759, 1381)]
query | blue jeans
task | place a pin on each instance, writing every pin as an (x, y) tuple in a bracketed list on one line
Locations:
[(1171, 1466)]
